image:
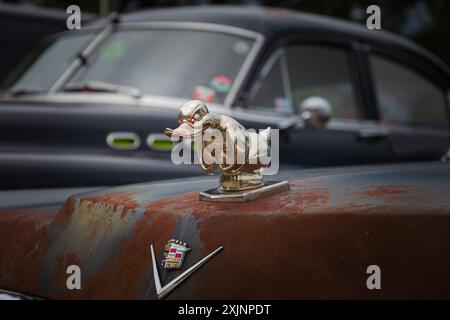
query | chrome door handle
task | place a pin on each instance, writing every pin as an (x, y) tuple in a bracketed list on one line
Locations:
[(123, 141)]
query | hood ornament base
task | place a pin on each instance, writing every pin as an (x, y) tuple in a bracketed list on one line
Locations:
[(219, 195), (237, 153)]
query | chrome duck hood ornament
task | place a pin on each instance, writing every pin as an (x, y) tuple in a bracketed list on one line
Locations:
[(223, 144)]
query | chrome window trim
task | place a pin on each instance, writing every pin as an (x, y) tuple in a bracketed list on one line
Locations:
[(186, 25), (60, 100), (410, 130), (356, 125), (448, 106), (337, 124), (176, 25), (286, 78), (250, 114), (262, 76)]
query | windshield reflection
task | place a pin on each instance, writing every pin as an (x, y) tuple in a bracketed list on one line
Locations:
[(174, 63)]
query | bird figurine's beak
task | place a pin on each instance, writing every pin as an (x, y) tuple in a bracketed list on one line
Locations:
[(184, 130)]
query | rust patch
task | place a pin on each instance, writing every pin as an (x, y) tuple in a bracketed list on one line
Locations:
[(110, 205), (63, 216), (125, 200), (387, 191), (22, 244), (131, 265), (297, 200), (110, 241)]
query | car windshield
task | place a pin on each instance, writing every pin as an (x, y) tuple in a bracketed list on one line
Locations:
[(164, 62), (44, 65)]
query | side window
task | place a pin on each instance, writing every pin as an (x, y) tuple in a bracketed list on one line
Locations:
[(320, 71), (303, 71), (270, 92), (406, 97)]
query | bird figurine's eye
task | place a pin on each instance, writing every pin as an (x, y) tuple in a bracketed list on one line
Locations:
[(192, 120)]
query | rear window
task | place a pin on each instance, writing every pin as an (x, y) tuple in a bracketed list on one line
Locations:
[(406, 97)]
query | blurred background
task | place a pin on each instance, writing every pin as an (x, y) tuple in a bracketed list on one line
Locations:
[(425, 22)]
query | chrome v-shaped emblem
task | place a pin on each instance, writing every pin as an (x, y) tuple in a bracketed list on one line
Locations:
[(164, 291)]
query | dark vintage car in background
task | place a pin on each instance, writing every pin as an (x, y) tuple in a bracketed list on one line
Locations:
[(88, 107), (315, 241)]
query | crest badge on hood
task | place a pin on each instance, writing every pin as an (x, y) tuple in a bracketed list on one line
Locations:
[(174, 254)]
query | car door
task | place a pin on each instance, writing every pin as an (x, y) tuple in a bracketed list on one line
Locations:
[(413, 106), (297, 72)]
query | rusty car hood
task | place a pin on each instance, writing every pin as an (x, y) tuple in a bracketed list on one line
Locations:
[(314, 241)]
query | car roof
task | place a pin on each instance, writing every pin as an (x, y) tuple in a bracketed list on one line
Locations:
[(271, 21)]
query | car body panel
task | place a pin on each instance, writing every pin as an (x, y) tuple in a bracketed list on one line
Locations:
[(66, 145), (314, 241)]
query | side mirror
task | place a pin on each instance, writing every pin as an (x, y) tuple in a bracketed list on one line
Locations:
[(315, 111)]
